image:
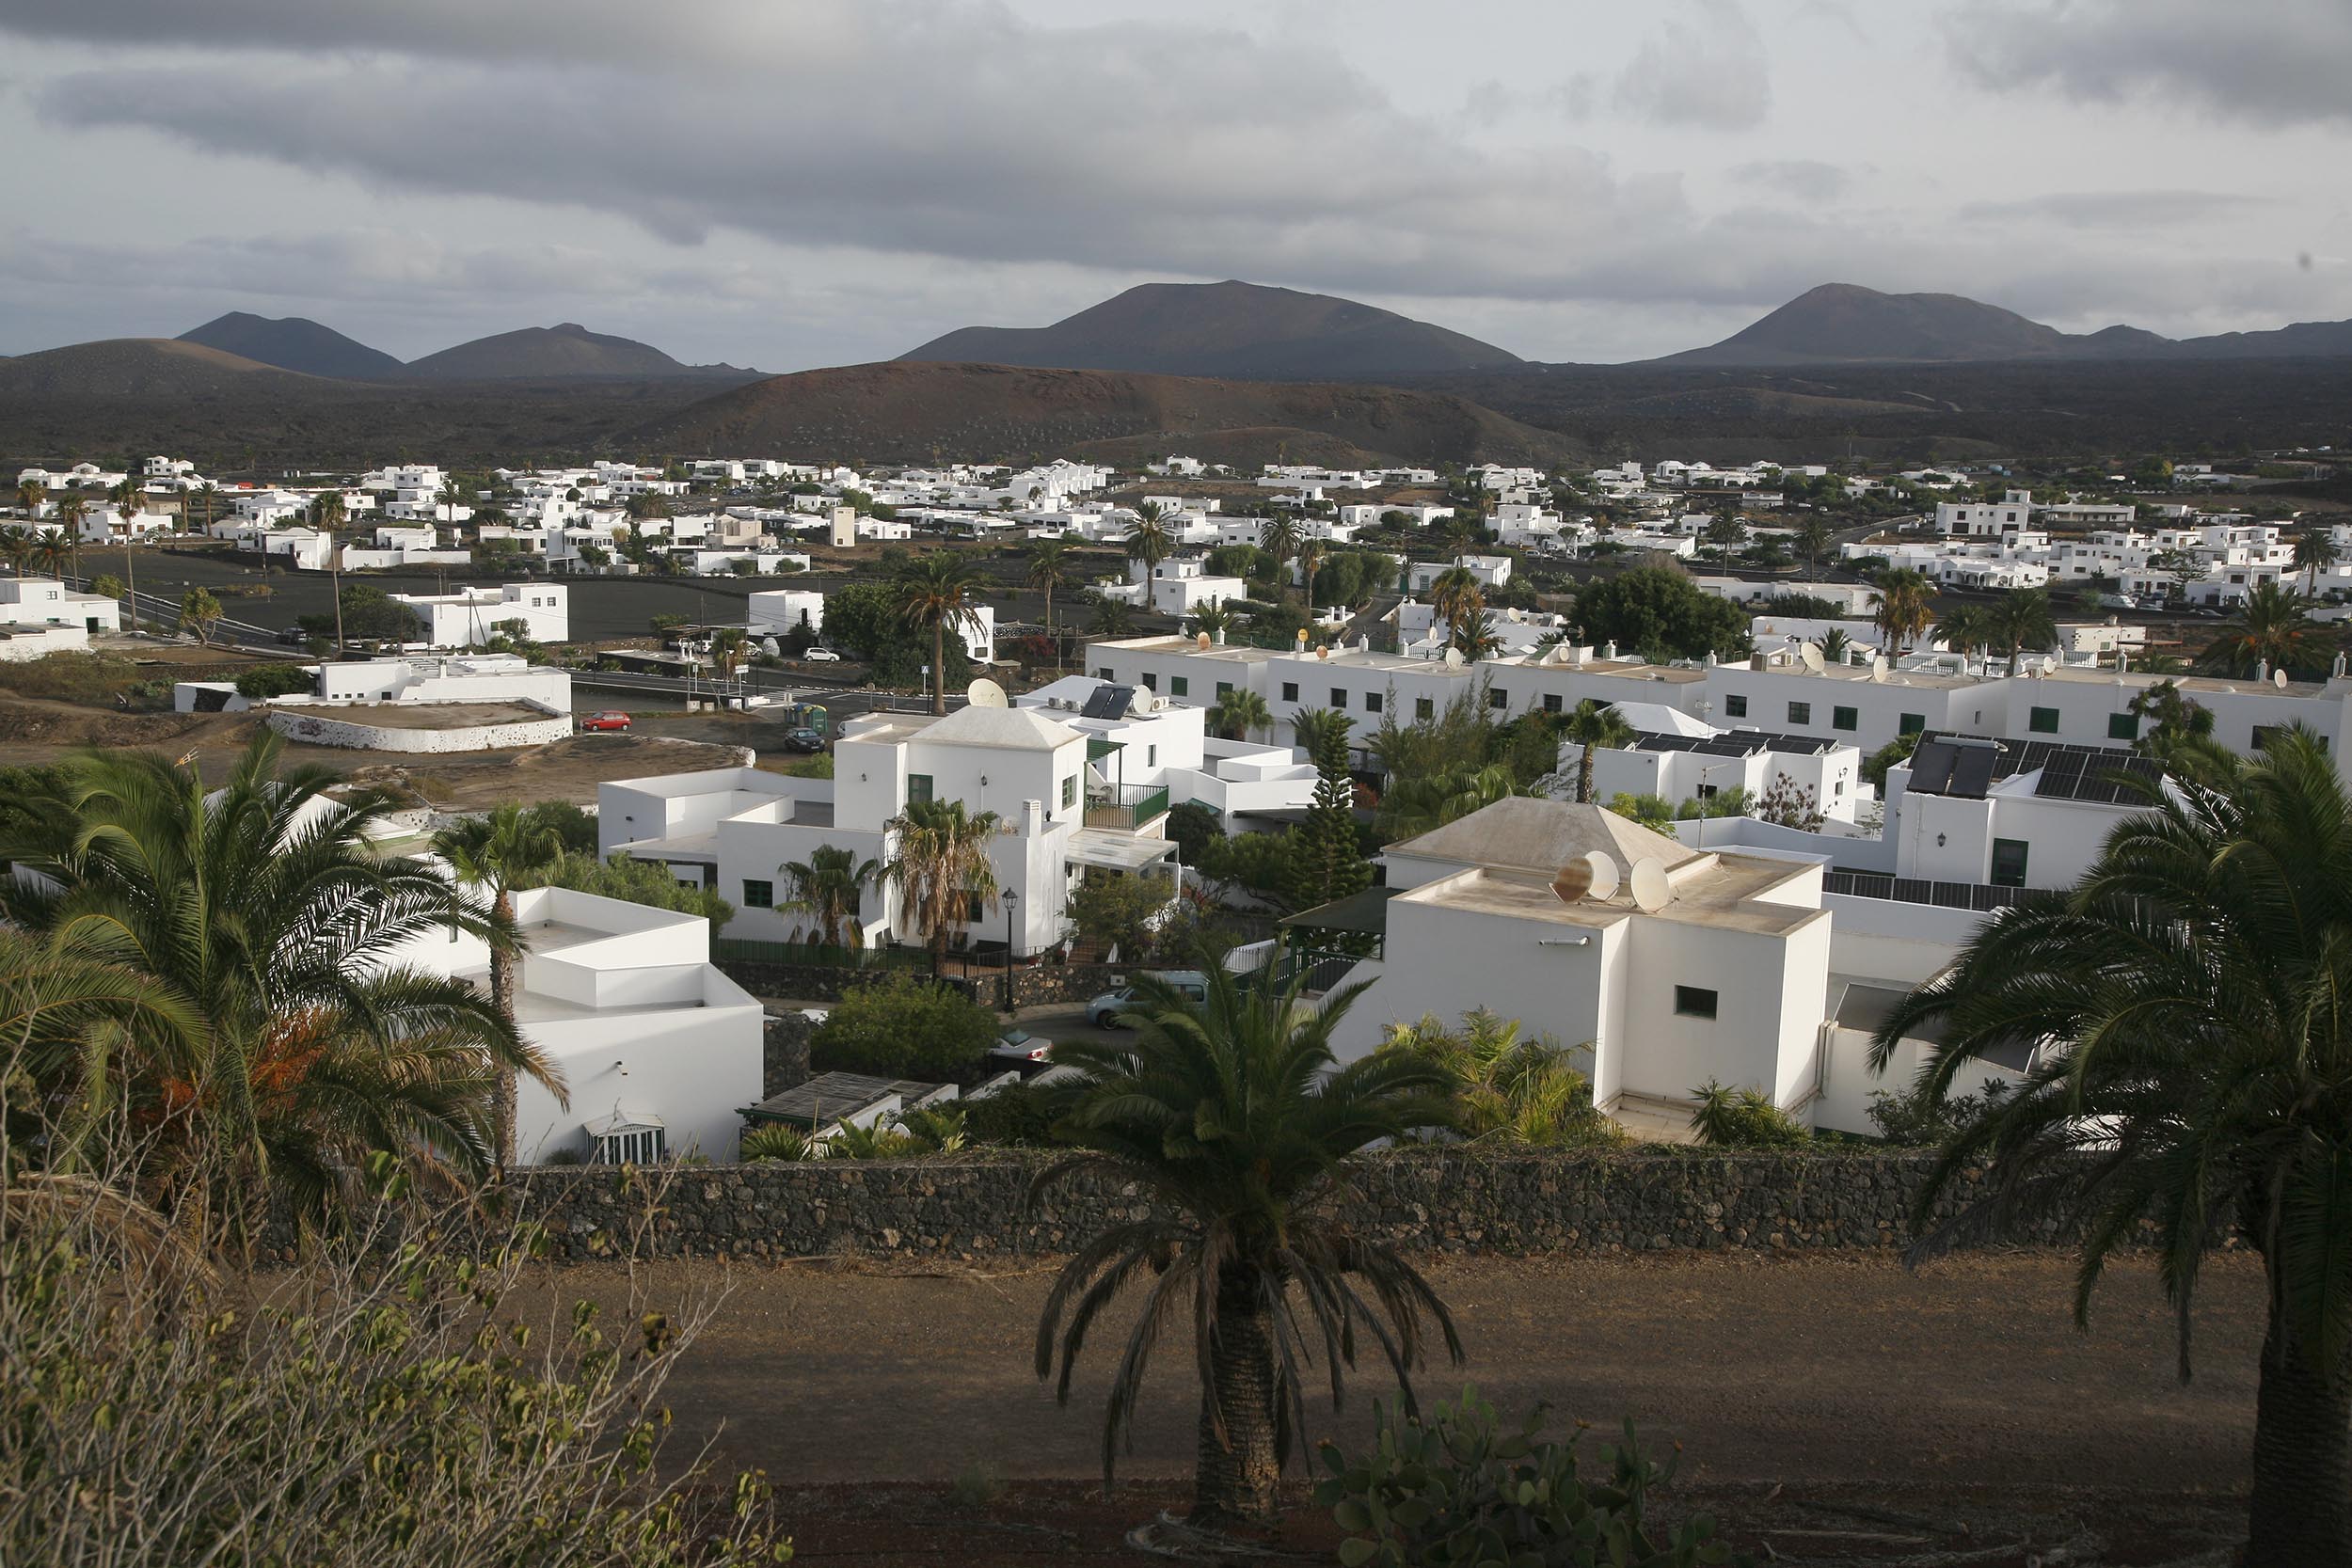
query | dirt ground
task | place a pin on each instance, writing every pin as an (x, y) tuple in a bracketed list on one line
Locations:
[(33, 731), (1796, 1387)]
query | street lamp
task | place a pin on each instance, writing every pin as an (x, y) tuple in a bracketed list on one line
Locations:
[(1010, 899)]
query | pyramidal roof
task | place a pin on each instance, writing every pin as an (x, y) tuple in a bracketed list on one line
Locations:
[(1527, 832), (1017, 729)]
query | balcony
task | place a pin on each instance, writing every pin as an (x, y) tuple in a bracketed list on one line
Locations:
[(1125, 807)]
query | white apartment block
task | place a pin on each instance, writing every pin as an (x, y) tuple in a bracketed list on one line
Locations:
[(30, 602), (469, 617)]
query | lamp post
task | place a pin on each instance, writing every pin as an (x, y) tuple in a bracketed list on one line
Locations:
[(1010, 899)]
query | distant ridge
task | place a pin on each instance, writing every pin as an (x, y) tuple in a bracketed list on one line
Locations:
[(907, 409), (568, 349), (1844, 324), (143, 368), (294, 343), (1240, 331)]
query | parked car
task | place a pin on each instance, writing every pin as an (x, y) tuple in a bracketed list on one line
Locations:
[(1107, 1010), (821, 656), (611, 718), (803, 741), (1019, 1045), (293, 636)]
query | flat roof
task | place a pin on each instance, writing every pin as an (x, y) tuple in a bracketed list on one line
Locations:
[(1714, 890)]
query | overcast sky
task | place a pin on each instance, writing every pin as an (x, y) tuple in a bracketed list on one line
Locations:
[(797, 183)]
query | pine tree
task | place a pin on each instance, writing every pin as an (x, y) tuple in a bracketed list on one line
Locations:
[(1327, 862)]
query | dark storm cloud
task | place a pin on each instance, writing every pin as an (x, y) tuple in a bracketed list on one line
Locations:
[(2271, 62)]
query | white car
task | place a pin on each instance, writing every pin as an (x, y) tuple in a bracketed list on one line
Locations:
[(821, 656)]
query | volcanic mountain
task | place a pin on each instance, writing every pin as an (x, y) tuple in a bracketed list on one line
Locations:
[(908, 410), (569, 349), (1239, 331), (1845, 324), (294, 343)]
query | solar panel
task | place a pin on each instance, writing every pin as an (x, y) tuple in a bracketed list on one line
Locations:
[(1932, 766), (1107, 702), (1972, 771)]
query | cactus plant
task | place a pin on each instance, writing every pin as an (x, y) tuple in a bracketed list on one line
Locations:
[(1460, 1488)]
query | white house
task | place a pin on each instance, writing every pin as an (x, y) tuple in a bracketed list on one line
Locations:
[(47, 602), (467, 617)]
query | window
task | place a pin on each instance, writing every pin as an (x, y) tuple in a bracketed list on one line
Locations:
[(1371, 701), (758, 896), (1910, 723), (918, 789), (636, 1146), (1224, 689), (1424, 708), (1694, 1002), (1551, 701), (1290, 692), (1070, 792), (2042, 720), (1844, 719), (1151, 756), (1151, 680), (1178, 685), (975, 905), (2009, 862), (1801, 713), (1497, 699), (1101, 675), (1339, 698), (2122, 726), (1735, 706)]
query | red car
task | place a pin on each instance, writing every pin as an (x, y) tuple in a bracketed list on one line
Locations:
[(611, 718)]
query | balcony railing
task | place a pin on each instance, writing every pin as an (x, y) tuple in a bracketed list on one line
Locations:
[(1126, 807)]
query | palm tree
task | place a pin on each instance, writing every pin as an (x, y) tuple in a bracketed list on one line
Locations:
[(1314, 728), (1309, 562), (1149, 541), (2315, 552), (1212, 618), (127, 496), (1836, 646), (2272, 626), (1113, 617), (327, 511), (2021, 618), (31, 494), (16, 548), (1455, 595), (830, 887), (72, 507), (2197, 1083), (209, 494), (939, 865), (1475, 638), (1239, 713), (1901, 608), (199, 612), (448, 498), (1233, 1115), (264, 909), (939, 593), (1280, 539), (730, 648), (510, 847), (1813, 540), (1050, 568), (1596, 727), (48, 554), (1965, 627), (1417, 803), (1727, 532), (1510, 1091)]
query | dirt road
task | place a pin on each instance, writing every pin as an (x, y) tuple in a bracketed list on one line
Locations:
[(1846, 1370)]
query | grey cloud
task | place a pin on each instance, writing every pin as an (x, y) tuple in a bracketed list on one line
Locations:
[(1705, 67), (2114, 208), (1806, 179), (2270, 62)]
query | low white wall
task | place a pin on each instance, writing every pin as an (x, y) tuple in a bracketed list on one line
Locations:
[(312, 730)]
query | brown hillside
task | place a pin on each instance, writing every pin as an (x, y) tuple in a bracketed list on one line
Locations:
[(139, 366), (912, 410)]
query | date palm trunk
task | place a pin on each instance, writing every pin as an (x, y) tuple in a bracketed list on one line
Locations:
[(939, 667), (2300, 1511), (1237, 1474), (503, 997)]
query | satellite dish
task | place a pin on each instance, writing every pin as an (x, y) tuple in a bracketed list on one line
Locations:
[(1200, 641), (986, 693), (1604, 872), (1573, 880), (1323, 652), (768, 647), (1811, 655), (1454, 659), (1650, 888), (2279, 679), (1878, 667), (1138, 700)]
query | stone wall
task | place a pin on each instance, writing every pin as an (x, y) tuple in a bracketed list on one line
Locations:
[(315, 730), (1038, 985), (976, 1206)]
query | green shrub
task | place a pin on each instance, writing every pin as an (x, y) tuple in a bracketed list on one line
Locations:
[(1021, 1116), (1457, 1488), (776, 1142), (1739, 1117), (264, 681), (1916, 1118), (903, 1027)]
